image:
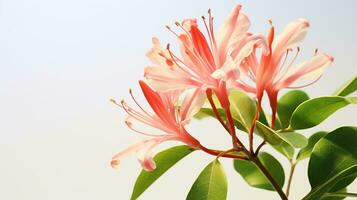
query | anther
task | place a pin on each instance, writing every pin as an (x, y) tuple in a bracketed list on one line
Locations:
[(270, 22), (316, 51), (177, 24), (298, 49)]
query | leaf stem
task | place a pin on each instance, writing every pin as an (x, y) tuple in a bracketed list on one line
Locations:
[(259, 147), (218, 153), (292, 169), (251, 130), (257, 162)]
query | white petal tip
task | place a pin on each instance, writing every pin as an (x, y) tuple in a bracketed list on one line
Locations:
[(115, 164), (218, 74)]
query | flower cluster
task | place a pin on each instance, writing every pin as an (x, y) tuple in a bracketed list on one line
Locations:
[(176, 85)]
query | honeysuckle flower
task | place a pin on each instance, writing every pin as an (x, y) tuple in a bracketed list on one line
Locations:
[(274, 72), (206, 62), (168, 120)]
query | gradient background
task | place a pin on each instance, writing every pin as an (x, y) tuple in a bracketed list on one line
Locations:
[(61, 61)]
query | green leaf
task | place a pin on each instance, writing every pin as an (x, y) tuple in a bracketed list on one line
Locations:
[(263, 118), (208, 112), (325, 187), (333, 162), (276, 138), (313, 139), (243, 108), (338, 195), (164, 161), (312, 112), (348, 88), (254, 177), (288, 103), (211, 184), (286, 149), (333, 153)]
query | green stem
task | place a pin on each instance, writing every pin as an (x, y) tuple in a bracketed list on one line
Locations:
[(292, 169)]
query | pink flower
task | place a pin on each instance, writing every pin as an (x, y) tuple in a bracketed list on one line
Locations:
[(274, 72), (166, 118), (206, 62)]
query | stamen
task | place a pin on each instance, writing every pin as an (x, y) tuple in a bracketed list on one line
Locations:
[(168, 28), (175, 59), (135, 114), (290, 64), (297, 87), (208, 32), (132, 96), (179, 25), (270, 22), (316, 51), (147, 134), (116, 103), (210, 23)]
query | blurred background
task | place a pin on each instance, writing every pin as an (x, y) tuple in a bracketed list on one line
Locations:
[(61, 62)]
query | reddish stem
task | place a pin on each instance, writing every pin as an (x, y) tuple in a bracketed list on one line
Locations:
[(221, 153), (214, 108)]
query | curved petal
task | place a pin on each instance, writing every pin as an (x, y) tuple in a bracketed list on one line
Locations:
[(156, 103), (293, 33), (233, 29), (311, 68), (240, 52), (145, 155), (192, 103), (164, 79), (130, 150), (158, 55), (143, 149)]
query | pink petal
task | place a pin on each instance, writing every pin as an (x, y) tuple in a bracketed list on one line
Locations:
[(158, 55), (156, 103), (233, 29), (165, 79), (292, 34), (202, 47), (311, 68), (130, 150), (240, 52), (192, 103)]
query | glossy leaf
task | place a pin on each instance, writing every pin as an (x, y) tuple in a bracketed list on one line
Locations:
[(243, 108), (262, 118), (314, 111), (325, 187), (286, 149), (313, 139), (333, 162), (254, 177), (208, 112), (348, 88), (164, 161), (276, 138), (211, 184), (338, 195), (288, 103)]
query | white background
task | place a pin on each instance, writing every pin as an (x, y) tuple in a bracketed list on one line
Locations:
[(61, 61)]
